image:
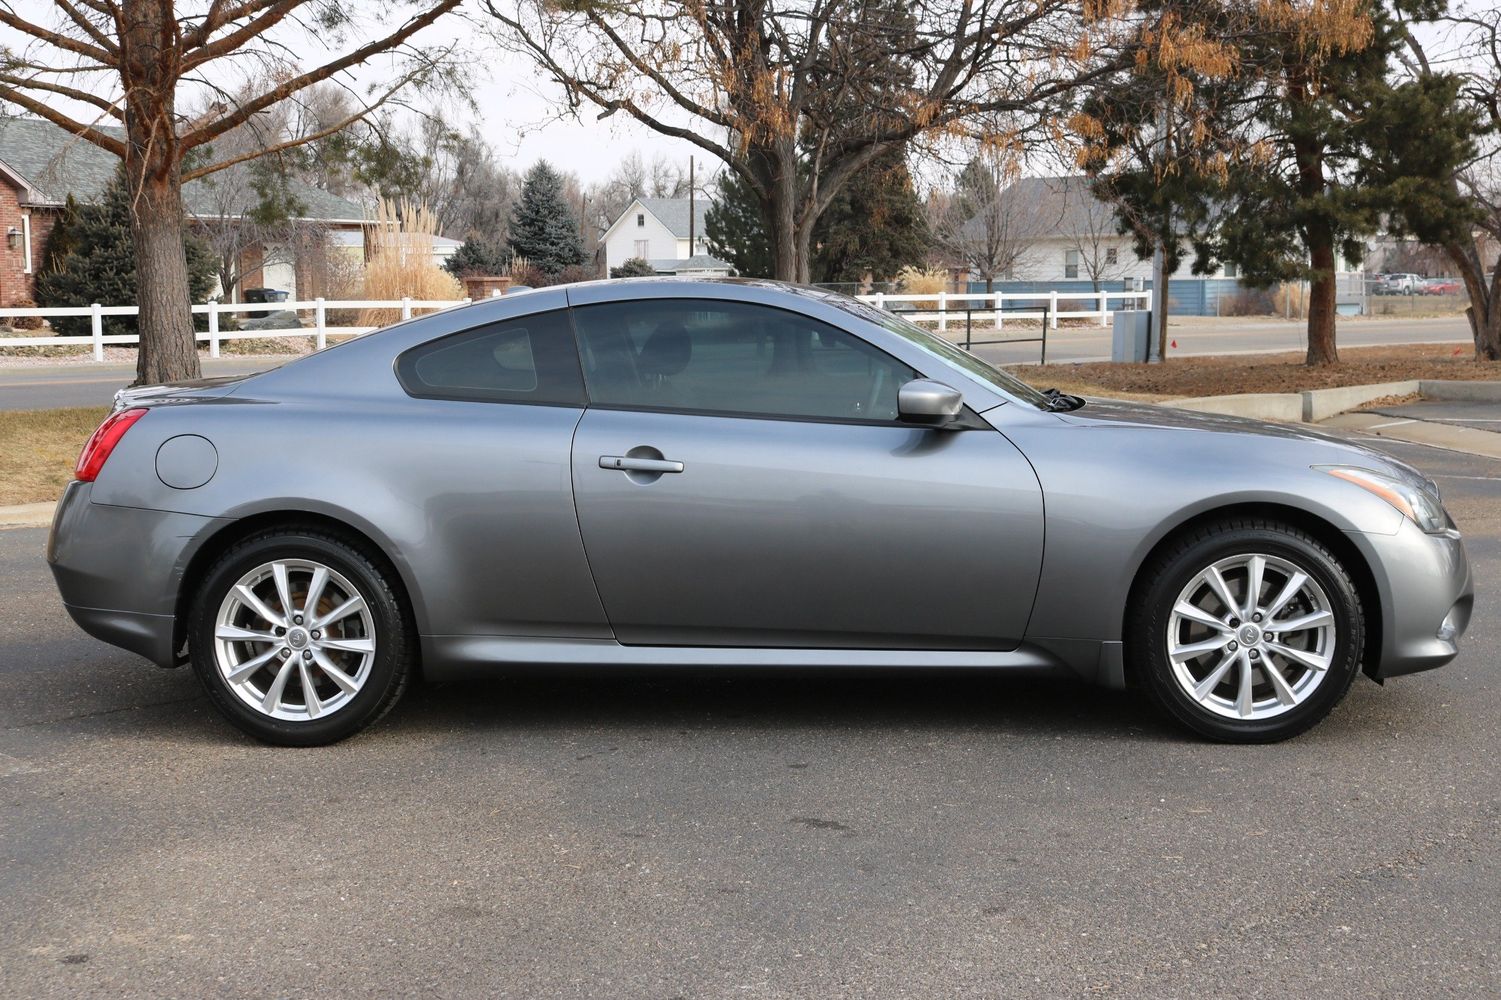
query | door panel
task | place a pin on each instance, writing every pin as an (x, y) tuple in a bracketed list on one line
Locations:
[(793, 533)]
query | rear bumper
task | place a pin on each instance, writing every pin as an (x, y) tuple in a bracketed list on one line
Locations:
[(119, 569), (1426, 598), (149, 635)]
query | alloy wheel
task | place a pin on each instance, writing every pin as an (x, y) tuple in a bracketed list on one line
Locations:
[(1251, 636), (294, 640)]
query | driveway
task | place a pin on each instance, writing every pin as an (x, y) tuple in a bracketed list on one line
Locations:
[(638, 834)]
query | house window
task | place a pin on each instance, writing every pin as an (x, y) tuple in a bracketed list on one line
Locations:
[(1111, 256), (26, 240), (643, 247), (641, 218), (1232, 270), (1070, 263)]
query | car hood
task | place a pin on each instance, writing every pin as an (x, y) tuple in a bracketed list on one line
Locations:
[(1321, 446)]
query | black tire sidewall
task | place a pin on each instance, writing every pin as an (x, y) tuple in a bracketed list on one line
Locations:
[(1173, 572), (387, 673)]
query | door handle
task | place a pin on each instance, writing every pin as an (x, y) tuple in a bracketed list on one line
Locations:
[(625, 463)]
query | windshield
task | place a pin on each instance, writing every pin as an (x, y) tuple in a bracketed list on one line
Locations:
[(946, 352)]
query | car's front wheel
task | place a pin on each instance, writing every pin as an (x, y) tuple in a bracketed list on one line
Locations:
[(1246, 630), (299, 637)]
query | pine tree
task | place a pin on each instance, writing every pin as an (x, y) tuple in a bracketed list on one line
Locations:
[(543, 227), (874, 226), (1258, 157), (89, 258), (735, 230)]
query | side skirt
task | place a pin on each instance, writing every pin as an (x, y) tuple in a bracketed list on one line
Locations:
[(466, 655)]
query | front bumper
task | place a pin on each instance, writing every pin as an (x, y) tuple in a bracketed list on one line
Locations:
[(1425, 587), (119, 569)]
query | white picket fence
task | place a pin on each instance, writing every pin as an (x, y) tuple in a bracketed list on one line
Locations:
[(950, 307), (945, 307)]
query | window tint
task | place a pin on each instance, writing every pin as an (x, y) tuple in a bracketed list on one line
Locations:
[(732, 357), (527, 360)]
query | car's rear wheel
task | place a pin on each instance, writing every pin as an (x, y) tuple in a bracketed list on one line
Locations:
[(1246, 631), (299, 637)]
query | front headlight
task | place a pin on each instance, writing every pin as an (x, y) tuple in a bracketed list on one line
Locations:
[(1422, 507)]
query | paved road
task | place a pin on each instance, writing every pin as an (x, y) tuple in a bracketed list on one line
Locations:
[(95, 385), (710, 836), (1482, 416)]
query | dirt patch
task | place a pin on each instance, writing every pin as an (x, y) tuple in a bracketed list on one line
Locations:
[(38, 449), (1223, 375)]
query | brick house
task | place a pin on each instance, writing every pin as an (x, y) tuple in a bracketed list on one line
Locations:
[(41, 164)]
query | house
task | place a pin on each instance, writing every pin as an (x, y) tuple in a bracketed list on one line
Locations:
[(1053, 229), (41, 164), (658, 230)]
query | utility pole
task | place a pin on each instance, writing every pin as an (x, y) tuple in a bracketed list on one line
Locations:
[(692, 212)]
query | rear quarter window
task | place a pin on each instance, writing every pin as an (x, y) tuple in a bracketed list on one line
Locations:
[(531, 359)]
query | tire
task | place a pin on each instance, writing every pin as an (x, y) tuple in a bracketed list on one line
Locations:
[(256, 662), (1208, 664)]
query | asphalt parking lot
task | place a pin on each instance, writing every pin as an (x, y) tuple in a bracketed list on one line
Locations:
[(701, 835)]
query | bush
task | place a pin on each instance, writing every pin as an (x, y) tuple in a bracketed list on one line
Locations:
[(479, 257), (90, 258), (636, 267), (26, 322)]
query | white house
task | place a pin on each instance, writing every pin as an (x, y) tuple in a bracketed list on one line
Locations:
[(657, 230)]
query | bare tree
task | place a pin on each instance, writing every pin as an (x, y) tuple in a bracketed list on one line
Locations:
[(985, 225), (130, 63), (1093, 232), (796, 96)]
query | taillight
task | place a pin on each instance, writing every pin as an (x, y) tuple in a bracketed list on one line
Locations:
[(102, 442)]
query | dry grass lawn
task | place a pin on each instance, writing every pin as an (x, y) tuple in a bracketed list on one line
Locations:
[(38, 449), (1226, 374)]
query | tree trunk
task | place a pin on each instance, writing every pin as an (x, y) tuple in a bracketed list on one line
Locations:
[(153, 160), (1484, 312), (168, 352), (1321, 296), (1319, 235)]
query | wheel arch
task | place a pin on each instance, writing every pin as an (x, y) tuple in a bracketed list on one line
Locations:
[(1349, 554), (234, 531)]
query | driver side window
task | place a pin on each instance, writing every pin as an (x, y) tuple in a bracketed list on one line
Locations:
[(733, 358)]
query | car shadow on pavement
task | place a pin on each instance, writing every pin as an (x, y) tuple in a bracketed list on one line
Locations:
[(745, 699)]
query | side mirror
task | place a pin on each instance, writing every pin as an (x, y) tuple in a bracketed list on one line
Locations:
[(923, 401)]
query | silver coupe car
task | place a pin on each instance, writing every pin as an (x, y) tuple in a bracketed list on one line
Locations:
[(723, 473)]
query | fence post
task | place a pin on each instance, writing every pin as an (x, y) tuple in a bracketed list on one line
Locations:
[(969, 316), (1045, 318), (320, 321), (943, 312), (406, 307), (1000, 310), (1104, 308), (1053, 308), (880, 302), (213, 329), (96, 330)]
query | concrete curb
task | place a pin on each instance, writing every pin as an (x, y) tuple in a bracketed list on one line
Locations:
[(1286, 406), (1314, 405), (1481, 392), (27, 515)]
